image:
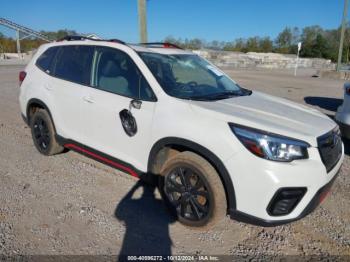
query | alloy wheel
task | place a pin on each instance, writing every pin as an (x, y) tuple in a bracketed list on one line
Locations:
[(41, 133), (188, 192)]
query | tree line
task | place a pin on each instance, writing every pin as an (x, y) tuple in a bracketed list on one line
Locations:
[(316, 42)]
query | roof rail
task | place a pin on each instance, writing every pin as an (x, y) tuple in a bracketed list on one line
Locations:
[(114, 40), (162, 44), (75, 38), (80, 37)]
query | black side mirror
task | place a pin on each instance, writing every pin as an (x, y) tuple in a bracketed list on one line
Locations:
[(135, 104)]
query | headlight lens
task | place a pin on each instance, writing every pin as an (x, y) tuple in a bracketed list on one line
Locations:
[(270, 146)]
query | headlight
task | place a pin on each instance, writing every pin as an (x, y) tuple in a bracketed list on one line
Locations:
[(270, 146)]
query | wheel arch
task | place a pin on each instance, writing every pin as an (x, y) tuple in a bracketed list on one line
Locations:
[(175, 142), (37, 103)]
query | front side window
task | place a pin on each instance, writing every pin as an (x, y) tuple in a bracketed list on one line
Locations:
[(191, 77), (73, 63), (114, 71), (46, 58)]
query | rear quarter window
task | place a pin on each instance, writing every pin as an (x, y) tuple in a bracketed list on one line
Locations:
[(44, 61), (73, 63)]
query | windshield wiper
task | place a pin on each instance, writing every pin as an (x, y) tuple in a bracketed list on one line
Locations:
[(217, 96)]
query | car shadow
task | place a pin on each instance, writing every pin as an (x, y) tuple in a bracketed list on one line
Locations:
[(147, 223), (327, 103)]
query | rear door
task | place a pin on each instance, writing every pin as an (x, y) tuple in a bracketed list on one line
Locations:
[(71, 71), (116, 81)]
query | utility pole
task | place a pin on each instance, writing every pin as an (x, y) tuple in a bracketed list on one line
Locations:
[(141, 6), (343, 26), (18, 45)]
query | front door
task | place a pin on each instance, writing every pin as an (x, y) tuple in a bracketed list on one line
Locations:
[(116, 81)]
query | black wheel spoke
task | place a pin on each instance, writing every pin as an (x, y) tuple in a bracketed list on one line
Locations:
[(202, 208), (40, 141), (195, 210), (199, 184), (173, 186), (188, 174), (183, 179), (37, 134), (183, 208), (46, 131), (46, 140), (202, 193)]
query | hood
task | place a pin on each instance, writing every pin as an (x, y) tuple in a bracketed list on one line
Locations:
[(269, 113)]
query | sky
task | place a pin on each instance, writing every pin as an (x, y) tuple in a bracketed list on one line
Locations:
[(222, 20)]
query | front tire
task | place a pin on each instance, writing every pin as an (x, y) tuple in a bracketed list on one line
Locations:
[(43, 133), (193, 190)]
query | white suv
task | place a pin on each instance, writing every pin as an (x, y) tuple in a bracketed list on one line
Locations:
[(157, 109)]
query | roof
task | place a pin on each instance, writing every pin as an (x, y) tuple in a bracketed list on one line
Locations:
[(159, 47)]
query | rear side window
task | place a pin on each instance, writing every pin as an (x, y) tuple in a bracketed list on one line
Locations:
[(73, 63), (46, 58)]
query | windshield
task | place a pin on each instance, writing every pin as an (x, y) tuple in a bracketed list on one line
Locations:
[(191, 77)]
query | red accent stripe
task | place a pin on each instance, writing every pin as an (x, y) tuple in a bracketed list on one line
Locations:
[(112, 163), (324, 195)]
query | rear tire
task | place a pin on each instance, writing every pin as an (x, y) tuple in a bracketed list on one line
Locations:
[(43, 133), (193, 190)]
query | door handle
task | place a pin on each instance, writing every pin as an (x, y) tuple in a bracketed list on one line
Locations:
[(88, 99)]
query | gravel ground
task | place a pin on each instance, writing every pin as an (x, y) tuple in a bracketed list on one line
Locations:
[(68, 204)]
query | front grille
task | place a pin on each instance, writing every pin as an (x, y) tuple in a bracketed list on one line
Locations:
[(330, 148)]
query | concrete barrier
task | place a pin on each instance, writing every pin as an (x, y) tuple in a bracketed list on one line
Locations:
[(250, 60)]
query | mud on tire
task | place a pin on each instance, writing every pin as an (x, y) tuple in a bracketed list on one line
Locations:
[(193, 190)]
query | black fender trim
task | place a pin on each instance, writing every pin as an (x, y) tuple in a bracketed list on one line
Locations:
[(25, 119), (42, 104), (204, 152)]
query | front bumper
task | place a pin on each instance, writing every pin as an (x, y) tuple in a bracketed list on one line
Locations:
[(257, 180), (315, 201)]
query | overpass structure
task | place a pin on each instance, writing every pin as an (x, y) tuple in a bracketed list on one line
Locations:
[(27, 32)]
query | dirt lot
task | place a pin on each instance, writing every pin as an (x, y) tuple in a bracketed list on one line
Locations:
[(68, 204)]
